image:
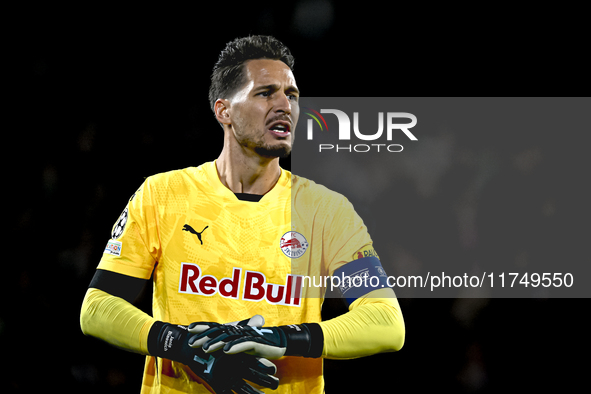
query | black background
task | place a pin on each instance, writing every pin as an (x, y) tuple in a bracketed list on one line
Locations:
[(98, 98)]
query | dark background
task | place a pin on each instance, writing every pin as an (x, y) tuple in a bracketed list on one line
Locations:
[(99, 98)]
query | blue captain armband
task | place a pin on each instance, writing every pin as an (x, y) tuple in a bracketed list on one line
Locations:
[(360, 277)]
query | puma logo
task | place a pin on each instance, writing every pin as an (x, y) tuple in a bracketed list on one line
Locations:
[(190, 229)]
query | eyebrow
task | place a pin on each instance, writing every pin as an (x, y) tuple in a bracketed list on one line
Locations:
[(275, 87)]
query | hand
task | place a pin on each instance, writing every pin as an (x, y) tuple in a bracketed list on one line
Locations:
[(226, 374), (267, 342), (211, 330), (221, 373), (263, 342)]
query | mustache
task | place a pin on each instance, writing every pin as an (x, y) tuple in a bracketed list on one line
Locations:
[(283, 117)]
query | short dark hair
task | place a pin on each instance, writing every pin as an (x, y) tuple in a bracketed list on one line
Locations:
[(229, 72)]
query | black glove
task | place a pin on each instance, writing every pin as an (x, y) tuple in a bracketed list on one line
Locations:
[(304, 340), (222, 373)]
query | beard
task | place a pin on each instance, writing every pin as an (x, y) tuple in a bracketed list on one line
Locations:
[(280, 151), (279, 148)]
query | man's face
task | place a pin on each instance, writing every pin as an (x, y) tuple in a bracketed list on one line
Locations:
[(265, 111)]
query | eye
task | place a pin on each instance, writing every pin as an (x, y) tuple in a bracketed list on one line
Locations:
[(265, 93)]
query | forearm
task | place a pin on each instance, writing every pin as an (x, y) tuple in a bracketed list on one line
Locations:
[(115, 321), (374, 324), (121, 324)]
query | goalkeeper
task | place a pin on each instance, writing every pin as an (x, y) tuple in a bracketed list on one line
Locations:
[(229, 241)]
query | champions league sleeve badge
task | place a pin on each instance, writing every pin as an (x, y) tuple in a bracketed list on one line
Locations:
[(293, 244), (120, 225)]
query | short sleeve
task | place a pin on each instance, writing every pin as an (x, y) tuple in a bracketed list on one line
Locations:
[(134, 246), (345, 236)]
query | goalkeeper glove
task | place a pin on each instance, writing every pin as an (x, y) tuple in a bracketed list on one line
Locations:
[(223, 374), (304, 340)]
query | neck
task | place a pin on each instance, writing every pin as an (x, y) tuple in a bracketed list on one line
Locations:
[(244, 171)]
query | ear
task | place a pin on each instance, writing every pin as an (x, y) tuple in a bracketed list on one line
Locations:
[(222, 111)]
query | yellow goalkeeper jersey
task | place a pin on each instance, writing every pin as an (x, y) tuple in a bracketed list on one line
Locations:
[(217, 258)]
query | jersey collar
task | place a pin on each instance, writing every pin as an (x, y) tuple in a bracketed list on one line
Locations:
[(283, 182)]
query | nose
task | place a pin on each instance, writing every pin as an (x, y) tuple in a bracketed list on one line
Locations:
[(282, 103)]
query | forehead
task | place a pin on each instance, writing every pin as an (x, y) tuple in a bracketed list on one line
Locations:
[(267, 71)]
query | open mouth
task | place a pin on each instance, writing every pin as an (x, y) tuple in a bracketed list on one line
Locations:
[(280, 129)]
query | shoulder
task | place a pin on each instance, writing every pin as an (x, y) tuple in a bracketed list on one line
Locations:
[(176, 183), (312, 192), (180, 177)]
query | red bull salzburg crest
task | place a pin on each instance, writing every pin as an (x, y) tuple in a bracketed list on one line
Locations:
[(293, 244)]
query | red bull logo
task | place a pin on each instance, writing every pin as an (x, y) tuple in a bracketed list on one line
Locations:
[(252, 286), (293, 244)]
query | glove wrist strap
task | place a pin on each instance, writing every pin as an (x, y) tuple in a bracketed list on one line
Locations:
[(153, 336), (304, 340), (170, 342)]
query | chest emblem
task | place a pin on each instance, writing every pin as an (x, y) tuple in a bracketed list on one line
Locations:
[(293, 244), (190, 229)]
